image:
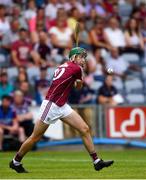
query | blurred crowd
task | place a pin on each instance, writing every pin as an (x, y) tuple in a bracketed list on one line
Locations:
[(36, 36)]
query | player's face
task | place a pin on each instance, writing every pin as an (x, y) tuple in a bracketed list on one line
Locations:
[(80, 60)]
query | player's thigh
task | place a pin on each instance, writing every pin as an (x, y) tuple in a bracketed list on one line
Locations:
[(39, 129), (75, 121)]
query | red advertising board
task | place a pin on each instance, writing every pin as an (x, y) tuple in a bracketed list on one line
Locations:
[(126, 122)]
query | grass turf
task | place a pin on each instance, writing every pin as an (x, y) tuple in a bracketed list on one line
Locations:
[(129, 164)]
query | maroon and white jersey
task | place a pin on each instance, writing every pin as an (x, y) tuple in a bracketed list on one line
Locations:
[(63, 81)]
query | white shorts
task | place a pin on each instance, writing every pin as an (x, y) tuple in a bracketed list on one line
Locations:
[(49, 112)]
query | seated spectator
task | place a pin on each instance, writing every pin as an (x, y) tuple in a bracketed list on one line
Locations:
[(98, 38), (119, 65), (91, 19), (74, 16), (43, 48), (40, 18), (41, 85), (4, 27), (5, 86), (51, 9), (24, 116), (109, 6), (78, 5), (134, 39), (64, 4), (60, 13), (22, 76), (8, 121), (22, 51), (17, 14), (114, 36), (142, 9), (61, 37), (12, 35), (30, 15), (107, 93), (98, 6), (28, 92), (99, 73), (84, 38), (4, 23)]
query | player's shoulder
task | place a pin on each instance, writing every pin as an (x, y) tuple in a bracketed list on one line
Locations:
[(70, 66), (74, 65)]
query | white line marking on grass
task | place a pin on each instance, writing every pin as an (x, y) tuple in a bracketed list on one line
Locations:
[(76, 160)]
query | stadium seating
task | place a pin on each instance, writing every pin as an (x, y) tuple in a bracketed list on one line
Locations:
[(135, 98)]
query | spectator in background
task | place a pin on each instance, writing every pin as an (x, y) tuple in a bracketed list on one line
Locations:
[(17, 14), (64, 4), (4, 23), (6, 2), (4, 27), (114, 36), (119, 65), (142, 9), (28, 92), (51, 9), (22, 51), (91, 19), (24, 116), (60, 13), (43, 48), (5, 86), (100, 71), (40, 18), (61, 37), (12, 35), (115, 12), (30, 15), (134, 39), (109, 6), (74, 16), (108, 94), (8, 121), (22, 76), (78, 5), (98, 6), (98, 37), (41, 85), (84, 38)]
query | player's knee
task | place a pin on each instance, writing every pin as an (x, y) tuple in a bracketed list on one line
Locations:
[(34, 138), (84, 130)]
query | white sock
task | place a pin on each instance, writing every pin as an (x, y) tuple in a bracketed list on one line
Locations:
[(16, 163), (96, 161)]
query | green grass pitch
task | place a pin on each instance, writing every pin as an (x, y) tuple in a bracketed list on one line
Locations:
[(129, 164)]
